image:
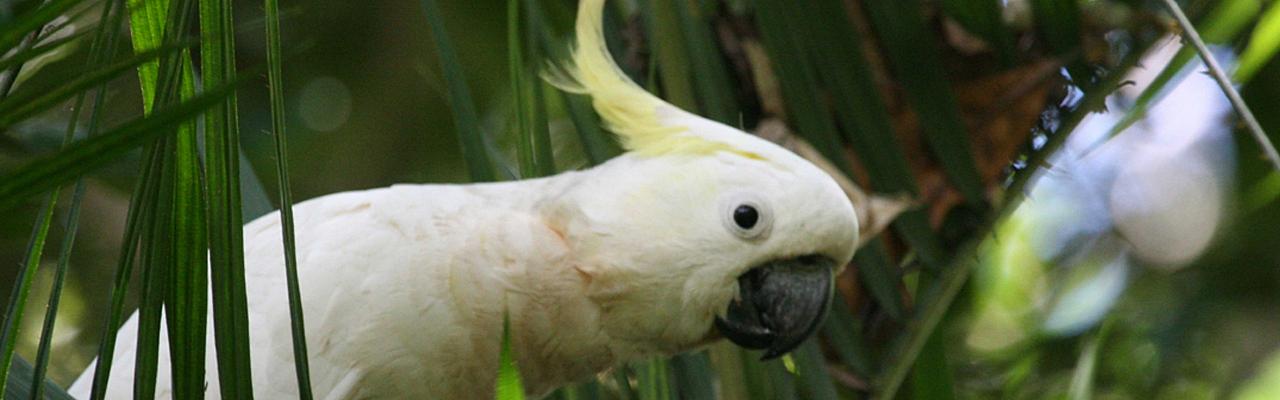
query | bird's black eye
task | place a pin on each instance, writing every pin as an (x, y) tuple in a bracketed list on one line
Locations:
[(746, 216)]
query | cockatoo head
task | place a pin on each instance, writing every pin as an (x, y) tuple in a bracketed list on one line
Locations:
[(700, 230)]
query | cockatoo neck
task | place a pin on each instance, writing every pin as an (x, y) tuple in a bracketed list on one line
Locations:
[(585, 305), (560, 331)]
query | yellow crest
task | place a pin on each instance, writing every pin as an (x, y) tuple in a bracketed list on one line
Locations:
[(644, 123)]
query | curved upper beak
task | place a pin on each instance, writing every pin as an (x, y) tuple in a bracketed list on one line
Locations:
[(779, 305)]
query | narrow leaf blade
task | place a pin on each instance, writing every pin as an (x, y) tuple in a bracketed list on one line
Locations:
[(464, 114)]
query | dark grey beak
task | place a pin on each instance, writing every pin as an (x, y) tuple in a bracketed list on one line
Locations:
[(780, 304)]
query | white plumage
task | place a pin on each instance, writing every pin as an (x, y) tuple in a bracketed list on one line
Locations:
[(405, 287)]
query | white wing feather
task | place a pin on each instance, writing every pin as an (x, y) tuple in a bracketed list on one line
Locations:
[(396, 283)]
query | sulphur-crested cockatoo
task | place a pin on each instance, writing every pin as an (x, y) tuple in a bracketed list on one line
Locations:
[(699, 231)]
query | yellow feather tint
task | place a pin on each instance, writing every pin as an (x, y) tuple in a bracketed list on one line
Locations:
[(627, 109)]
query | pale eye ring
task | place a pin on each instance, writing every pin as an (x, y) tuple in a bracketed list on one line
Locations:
[(747, 218)]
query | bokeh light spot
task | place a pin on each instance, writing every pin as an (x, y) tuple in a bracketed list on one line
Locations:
[(324, 104)]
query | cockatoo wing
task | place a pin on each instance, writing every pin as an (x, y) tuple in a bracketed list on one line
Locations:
[(396, 283)]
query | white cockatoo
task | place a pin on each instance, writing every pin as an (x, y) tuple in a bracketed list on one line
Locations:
[(699, 231)]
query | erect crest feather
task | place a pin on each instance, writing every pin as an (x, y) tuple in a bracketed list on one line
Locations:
[(641, 120)]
